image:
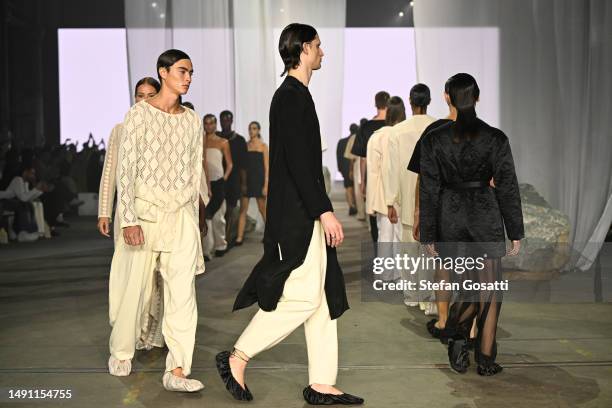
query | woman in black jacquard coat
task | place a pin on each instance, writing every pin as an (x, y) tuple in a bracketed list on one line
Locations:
[(463, 214)]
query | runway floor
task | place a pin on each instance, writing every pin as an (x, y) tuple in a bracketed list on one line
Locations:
[(54, 335)]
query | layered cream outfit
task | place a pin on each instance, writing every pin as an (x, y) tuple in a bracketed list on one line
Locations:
[(388, 233), (159, 183), (153, 310), (400, 183)]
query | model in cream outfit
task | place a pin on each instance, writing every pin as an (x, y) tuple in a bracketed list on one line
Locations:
[(160, 184), (151, 333), (388, 233), (400, 187)]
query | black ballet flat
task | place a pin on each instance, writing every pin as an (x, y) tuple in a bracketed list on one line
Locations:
[(435, 332), (223, 367), (313, 397), (487, 365), (458, 355)]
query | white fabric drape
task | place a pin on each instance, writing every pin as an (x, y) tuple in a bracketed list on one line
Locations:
[(555, 93), (234, 49), (200, 28)]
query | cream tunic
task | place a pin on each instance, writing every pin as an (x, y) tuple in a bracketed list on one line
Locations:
[(160, 172)]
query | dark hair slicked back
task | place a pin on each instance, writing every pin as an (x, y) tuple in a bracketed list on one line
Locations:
[(291, 42), (169, 58)]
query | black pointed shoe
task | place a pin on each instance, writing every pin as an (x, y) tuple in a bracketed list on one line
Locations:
[(458, 355), (223, 367), (318, 398)]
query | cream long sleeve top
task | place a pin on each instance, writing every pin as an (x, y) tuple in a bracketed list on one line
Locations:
[(159, 169), (377, 156), (399, 182), (108, 182)]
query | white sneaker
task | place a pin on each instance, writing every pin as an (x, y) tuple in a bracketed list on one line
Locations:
[(410, 304), (432, 309), (24, 236), (174, 383), (119, 368)]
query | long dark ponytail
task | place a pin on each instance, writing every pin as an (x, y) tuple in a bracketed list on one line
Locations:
[(464, 92)]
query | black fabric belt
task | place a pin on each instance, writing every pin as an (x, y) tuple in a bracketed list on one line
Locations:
[(466, 185)]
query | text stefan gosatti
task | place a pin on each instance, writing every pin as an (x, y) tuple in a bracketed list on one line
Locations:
[(414, 264)]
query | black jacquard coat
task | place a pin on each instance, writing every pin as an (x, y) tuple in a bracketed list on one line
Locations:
[(451, 215), (296, 198)]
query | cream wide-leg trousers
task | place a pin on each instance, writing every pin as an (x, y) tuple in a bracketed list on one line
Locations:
[(215, 237), (359, 199), (414, 249), (389, 237), (131, 282), (303, 302)]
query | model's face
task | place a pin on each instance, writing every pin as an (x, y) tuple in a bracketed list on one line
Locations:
[(314, 53), (226, 123), (30, 176), (253, 131), (178, 77), (210, 125), (145, 91)]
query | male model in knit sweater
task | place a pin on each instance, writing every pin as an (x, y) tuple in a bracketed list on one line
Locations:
[(159, 176)]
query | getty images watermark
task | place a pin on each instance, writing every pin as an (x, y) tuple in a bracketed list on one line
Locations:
[(389, 270)]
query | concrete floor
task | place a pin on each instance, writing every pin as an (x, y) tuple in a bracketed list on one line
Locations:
[(54, 335)]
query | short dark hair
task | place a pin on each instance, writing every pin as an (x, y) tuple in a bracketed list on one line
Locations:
[(354, 128), (256, 123), (396, 111), (209, 116), (149, 81), (226, 113), (420, 95), (169, 58), (381, 99), (188, 104), (291, 41)]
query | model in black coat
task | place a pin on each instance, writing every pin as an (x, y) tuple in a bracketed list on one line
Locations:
[(296, 198), (463, 214)]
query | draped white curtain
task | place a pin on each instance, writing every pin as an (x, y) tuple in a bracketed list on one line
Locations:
[(234, 49), (555, 93), (200, 28)]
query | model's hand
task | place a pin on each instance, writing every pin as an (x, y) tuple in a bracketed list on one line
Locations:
[(104, 226), (264, 190), (333, 229), (209, 190), (133, 235), (416, 227), (516, 247), (392, 214)]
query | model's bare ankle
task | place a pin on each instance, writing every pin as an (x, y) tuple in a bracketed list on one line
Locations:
[(325, 389), (239, 358), (178, 372)]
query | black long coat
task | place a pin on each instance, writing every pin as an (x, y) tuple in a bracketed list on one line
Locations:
[(296, 198), (450, 213)]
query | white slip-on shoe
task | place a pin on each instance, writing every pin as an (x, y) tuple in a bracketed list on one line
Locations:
[(119, 368), (432, 309), (174, 383)]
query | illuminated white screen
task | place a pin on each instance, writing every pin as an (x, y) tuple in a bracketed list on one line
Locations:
[(376, 59), (93, 82)]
